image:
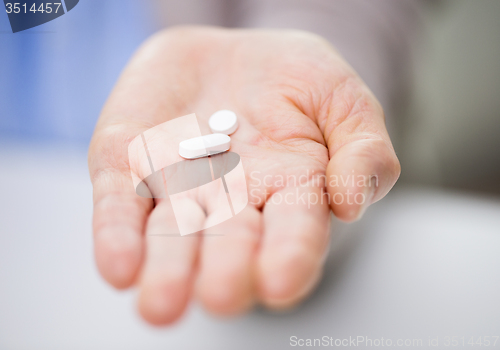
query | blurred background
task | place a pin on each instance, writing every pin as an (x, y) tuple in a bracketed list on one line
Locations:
[(427, 258), (451, 131)]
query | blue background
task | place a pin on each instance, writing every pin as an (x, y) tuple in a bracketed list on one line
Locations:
[(55, 78)]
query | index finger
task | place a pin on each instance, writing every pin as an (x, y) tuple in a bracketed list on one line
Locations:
[(118, 225)]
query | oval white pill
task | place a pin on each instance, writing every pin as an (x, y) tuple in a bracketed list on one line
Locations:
[(204, 146), (224, 122)]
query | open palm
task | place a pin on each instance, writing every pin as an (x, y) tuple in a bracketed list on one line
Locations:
[(308, 126)]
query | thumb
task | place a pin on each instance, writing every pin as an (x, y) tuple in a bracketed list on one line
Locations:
[(363, 166)]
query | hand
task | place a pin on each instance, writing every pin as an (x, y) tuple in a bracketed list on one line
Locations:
[(303, 112)]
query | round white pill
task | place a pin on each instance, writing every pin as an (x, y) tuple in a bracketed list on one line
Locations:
[(224, 122), (204, 146)]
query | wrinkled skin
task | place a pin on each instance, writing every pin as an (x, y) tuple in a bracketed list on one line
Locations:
[(302, 111)]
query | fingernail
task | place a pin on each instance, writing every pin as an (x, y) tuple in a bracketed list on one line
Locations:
[(368, 193)]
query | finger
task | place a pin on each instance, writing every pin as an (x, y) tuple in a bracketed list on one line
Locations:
[(226, 279), (296, 227), (360, 173), (118, 225), (119, 214), (363, 166), (167, 277)]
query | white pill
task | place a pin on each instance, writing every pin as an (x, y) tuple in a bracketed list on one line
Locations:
[(224, 122), (204, 146)]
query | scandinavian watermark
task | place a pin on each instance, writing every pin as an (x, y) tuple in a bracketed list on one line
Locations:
[(358, 188)]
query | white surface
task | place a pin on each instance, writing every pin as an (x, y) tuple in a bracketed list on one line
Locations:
[(423, 263), (224, 122), (204, 146)]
